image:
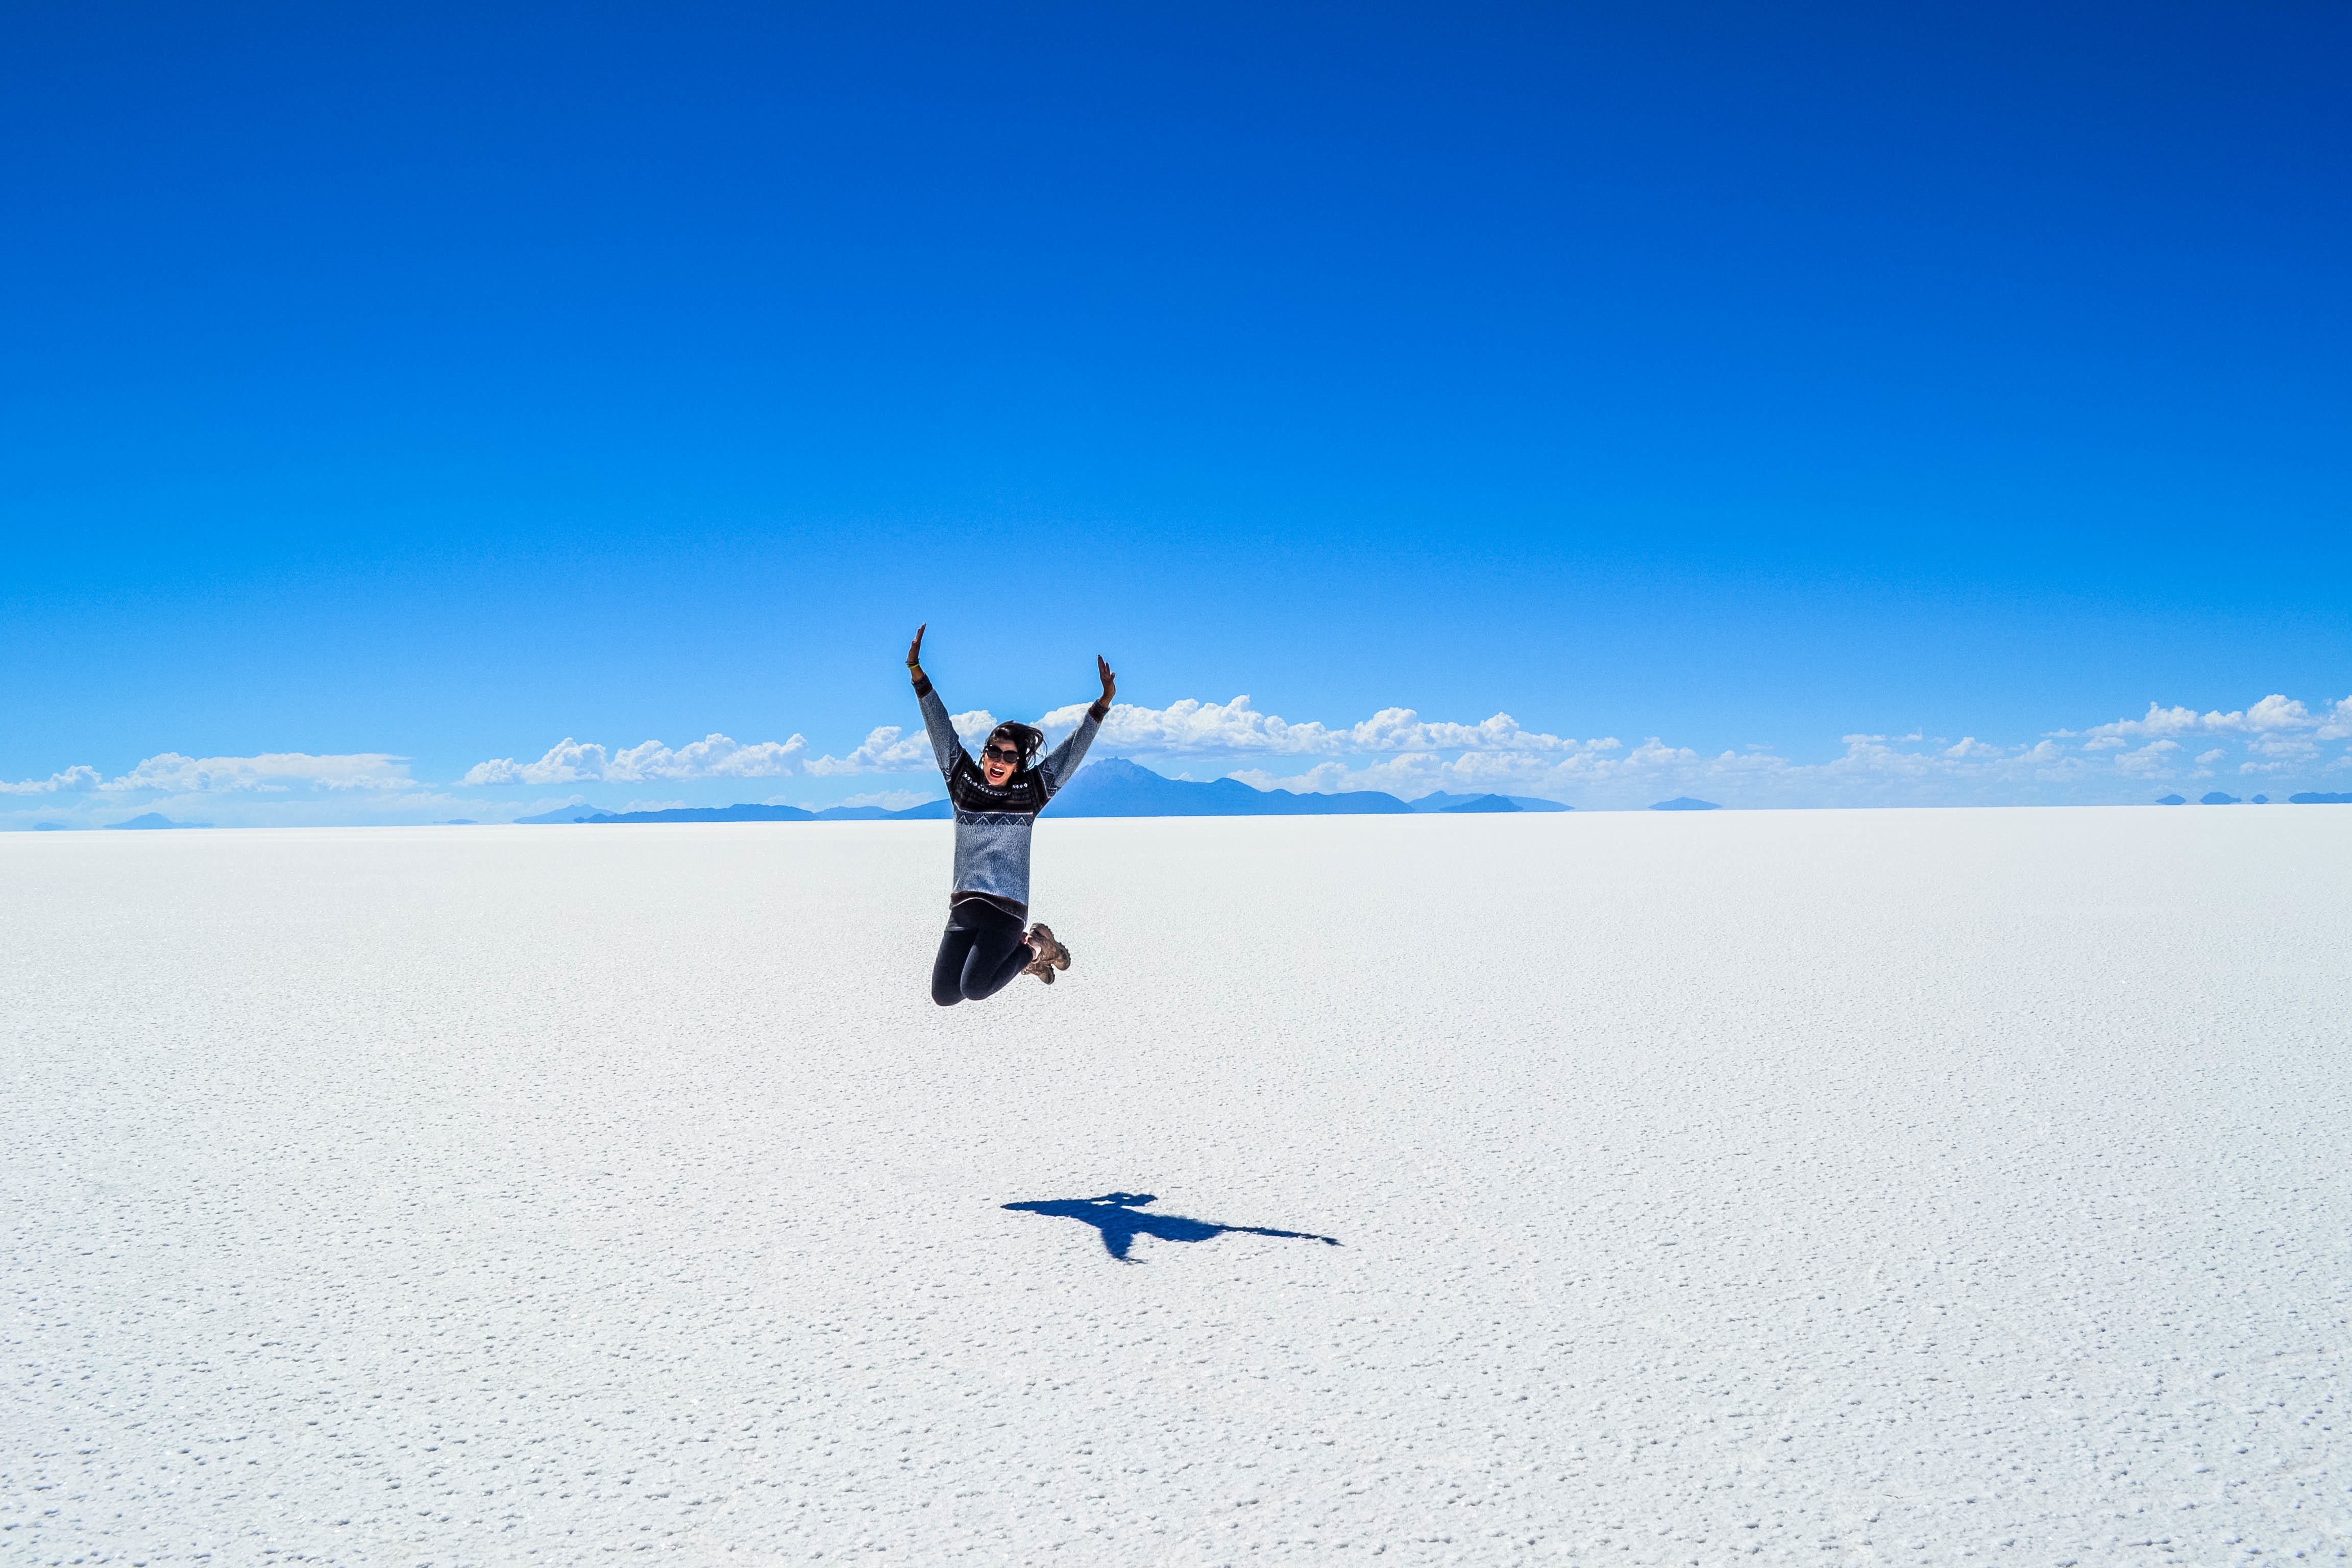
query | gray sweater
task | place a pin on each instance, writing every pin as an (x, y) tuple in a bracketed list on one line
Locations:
[(994, 826)]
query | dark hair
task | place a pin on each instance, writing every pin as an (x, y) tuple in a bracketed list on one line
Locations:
[(1030, 740)]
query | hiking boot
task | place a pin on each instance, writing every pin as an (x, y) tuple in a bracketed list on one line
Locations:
[(1040, 968), (1049, 946)]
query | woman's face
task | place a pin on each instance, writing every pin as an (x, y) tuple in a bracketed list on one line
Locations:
[(999, 760)]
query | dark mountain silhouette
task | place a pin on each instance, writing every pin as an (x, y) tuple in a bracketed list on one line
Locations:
[(706, 814), (2215, 797), (1481, 803), (1440, 801), (1118, 1218), (156, 819), (930, 811), (561, 813), (1113, 786), (1107, 787), (769, 814)]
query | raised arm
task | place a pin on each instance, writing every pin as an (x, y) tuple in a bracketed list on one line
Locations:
[(946, 745), (1064, 760)]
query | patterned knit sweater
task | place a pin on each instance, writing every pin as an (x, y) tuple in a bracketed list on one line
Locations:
[(992, 826)]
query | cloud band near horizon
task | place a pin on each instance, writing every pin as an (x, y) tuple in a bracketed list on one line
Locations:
[(1393, 749)]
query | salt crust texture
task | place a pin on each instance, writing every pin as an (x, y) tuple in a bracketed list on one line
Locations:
[(1822, 1188)]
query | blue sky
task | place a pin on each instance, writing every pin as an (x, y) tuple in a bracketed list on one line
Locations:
[(434, 384)]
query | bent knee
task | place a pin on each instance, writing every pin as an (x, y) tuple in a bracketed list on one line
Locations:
[(946, 997)]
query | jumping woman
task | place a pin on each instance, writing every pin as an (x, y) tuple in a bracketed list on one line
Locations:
[(997, 804)]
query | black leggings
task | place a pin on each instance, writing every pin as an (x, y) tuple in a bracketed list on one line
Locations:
[(980, 954)]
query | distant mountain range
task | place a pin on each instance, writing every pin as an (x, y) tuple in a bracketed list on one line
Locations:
[(1440, 801), (935, 809), (1108, 786), (562, 814), (1116, 787)]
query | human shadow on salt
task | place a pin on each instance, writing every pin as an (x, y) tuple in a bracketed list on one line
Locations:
[(1119, 1217)]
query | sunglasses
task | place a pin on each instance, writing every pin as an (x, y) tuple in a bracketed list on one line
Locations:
[(1002, 754)]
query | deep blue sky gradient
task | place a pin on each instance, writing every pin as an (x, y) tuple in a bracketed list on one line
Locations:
[(448, 380)]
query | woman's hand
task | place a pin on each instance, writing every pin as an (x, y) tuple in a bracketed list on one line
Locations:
[(915, 651), (1110, 688)]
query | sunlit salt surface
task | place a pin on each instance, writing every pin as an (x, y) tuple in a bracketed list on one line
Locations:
[(1823, 1187)]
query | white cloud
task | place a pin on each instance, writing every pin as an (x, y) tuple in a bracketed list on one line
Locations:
[(2159, 721), (1393, 749), (75, 780), (712, 757), (1191, 727), (2151, 762), (2092, 765), (274, 771), (270, 773), (888, 749), (1871, 770), (583, 762), (1398, 752), (569, 763), (2273, 713)]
